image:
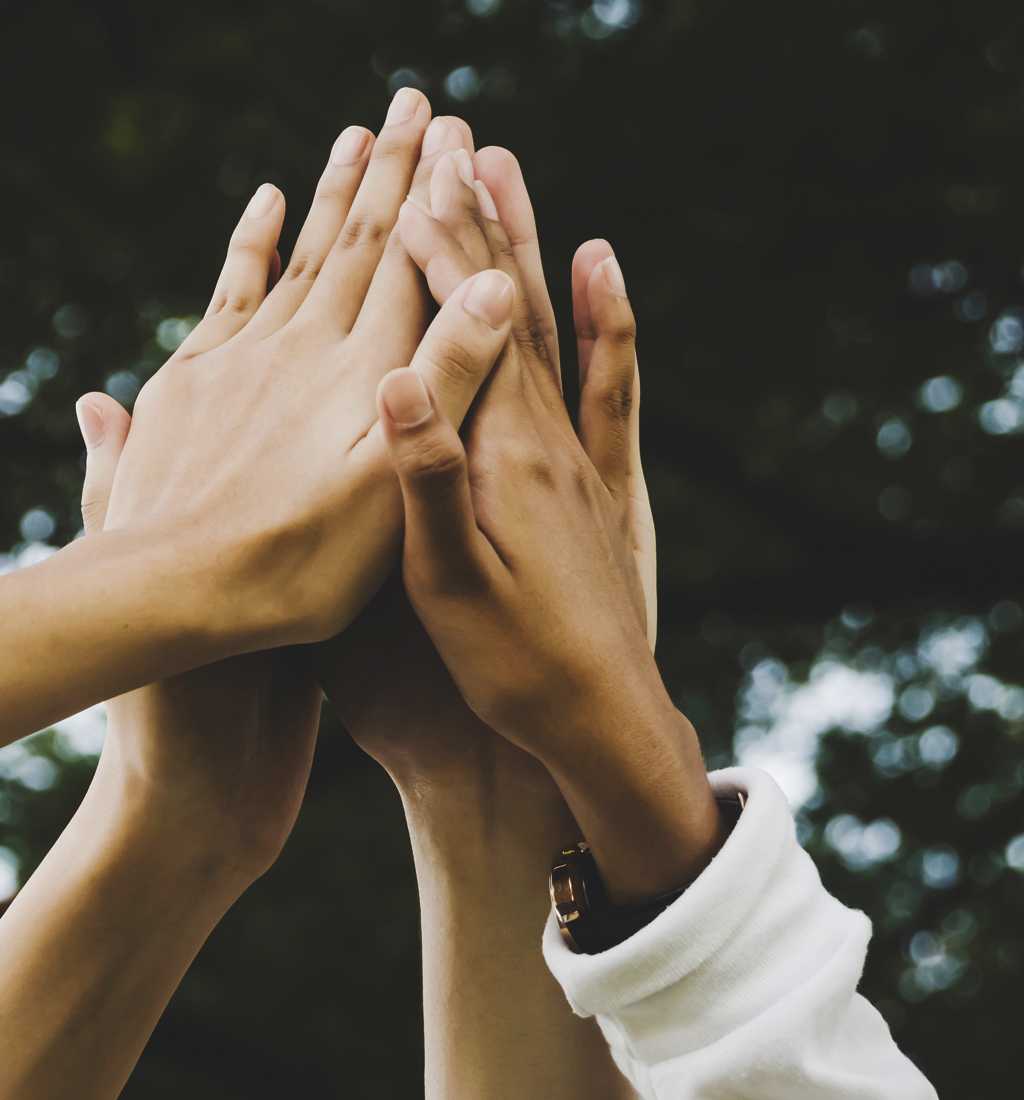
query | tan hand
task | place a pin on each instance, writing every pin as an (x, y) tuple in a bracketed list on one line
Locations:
[(526, 558), (518, 540), (393, 692)]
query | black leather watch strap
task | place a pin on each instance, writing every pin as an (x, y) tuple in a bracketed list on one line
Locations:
[(588, 921)]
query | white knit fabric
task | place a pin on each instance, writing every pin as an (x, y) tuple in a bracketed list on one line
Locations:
[(746, 987)]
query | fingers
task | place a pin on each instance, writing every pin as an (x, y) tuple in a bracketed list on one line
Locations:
[(443, 545), (396, 279), (609, 423), (104, 427), (595, 335), (464, 341), (435, 251), (337, 295), (330, 206), (456, 203), (500, 171), (587, 257), (445, 134), (242, 285)]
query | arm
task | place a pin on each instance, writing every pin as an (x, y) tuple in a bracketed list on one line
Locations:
[(101, 616), (95, 944), (484, 821), (198, 787), (745, 985), (495, 1022)]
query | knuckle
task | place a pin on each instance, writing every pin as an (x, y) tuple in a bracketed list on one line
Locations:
[(501, 247), (623, 333), (616, 398), (236, 302), (453, 361), (434, 459), (303, 267), (532, 338), (363, 230)]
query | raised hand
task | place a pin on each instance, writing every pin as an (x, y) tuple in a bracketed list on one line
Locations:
[(524, 559), (255, 444), (253, 504)]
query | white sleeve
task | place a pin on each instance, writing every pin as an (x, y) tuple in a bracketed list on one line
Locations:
[(746, 987)]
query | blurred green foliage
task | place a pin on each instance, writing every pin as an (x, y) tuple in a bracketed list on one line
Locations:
[(816, 205)]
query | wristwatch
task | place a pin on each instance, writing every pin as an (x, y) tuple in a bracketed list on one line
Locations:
[(589, 923)]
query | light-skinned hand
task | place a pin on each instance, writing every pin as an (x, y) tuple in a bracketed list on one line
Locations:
[(256, 447)]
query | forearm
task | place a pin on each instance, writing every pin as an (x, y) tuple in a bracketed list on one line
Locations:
[(496, 1023), (95, 944), (104, 615), (629, 766)]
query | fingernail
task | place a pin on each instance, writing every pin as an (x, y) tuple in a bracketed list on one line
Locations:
[(434, 138), (485, 200), (406, 398), (490, 298), (464, 166), (403, 106), (613, 276), (90, 423), (350, 145), (262, 201)]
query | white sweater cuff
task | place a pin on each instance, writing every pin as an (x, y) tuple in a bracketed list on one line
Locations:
[(728, 894), (746, 985)]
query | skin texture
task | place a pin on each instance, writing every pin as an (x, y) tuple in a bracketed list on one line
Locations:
[(253, 505), (521, 559), (201, 775), (465, 789)]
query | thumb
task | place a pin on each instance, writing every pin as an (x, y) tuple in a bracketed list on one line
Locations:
[(104, 426), (443, 545), (464, 341)]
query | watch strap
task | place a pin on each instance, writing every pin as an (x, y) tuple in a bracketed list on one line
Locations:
[(589, 923)]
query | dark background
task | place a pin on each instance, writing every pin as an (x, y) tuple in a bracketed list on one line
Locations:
[(818, 207)]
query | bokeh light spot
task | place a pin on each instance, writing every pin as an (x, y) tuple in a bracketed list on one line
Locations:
[(462, 83), (37, 525), (894, 438), (940, 394)]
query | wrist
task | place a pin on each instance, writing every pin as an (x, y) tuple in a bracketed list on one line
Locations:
[(186, 851), (177, 597), (630, 768), (202, 598), (499, 812)]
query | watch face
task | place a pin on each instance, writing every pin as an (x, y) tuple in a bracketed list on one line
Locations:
[(569, 895)]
